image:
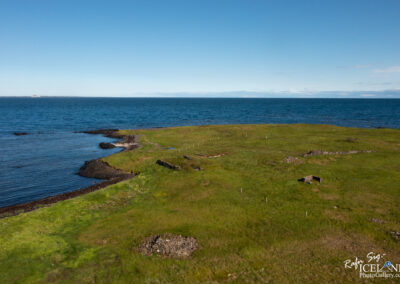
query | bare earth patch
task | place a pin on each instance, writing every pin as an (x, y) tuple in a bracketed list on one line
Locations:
[(211, 156), (354, 243), (319, 153), (358, 245), (329, 196), (321, 162), (376, 220), (335, 215), (293, 160), (169, 245)]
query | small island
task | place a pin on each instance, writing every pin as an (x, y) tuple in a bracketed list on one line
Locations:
[(224, 203)]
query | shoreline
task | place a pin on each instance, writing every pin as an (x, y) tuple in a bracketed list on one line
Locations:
[(98, 169), (95, 168), (16, 209)]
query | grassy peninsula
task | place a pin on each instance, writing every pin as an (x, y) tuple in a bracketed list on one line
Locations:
[(237, 193)]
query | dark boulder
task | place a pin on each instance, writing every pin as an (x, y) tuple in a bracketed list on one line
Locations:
[(167, 165), (104, 145), (20, 133), (101, 170), (105, 132), (196, 168)]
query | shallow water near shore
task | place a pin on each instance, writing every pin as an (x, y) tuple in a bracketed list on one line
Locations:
[(45, 161)]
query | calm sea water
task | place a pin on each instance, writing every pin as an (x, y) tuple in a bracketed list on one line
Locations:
[(44, 162)]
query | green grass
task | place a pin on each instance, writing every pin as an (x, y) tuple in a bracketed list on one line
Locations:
[(254, 222)]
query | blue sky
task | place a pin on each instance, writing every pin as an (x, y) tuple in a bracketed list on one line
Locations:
[(242, 48)]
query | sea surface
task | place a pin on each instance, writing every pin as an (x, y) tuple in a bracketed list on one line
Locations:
[(44, 162)]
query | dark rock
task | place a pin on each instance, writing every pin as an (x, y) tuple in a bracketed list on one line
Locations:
[(129, 142), (104, 145), (20, 133), (188, 158), (167, 165), (104, 132), (196, 168), (309, 179), (18, 166), (101, 170), (169, 245)]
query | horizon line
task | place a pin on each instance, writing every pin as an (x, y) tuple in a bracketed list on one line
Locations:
[(199, 97), (391, 93)]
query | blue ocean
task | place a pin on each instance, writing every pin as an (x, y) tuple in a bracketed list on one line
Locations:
[(45, 161)]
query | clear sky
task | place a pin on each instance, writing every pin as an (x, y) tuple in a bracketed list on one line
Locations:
[(124, 48)]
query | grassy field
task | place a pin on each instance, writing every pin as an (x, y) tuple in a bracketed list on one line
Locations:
[(254, 222)]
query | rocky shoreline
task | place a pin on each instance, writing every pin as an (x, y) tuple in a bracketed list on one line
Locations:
[(96, 168), (127, 142)]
